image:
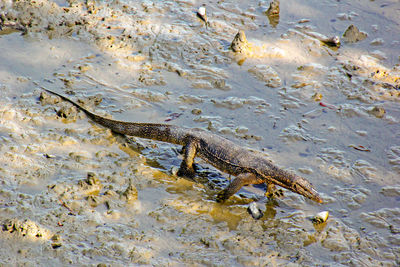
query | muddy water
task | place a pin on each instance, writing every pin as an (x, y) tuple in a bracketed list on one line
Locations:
[(74, 193)]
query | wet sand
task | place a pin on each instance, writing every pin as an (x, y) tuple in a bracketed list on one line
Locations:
[(74, 193)]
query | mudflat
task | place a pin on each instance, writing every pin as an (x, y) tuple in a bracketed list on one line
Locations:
[(74, 193)]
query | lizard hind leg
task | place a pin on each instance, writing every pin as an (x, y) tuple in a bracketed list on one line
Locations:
[(187, 166), (240, 180)]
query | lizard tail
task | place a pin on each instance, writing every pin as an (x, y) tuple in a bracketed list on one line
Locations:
[(159, 132)]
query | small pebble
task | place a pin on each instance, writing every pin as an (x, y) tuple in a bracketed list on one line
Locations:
[(56, 245), (377, 41), (362, 133), (196, 111), (317, 97)]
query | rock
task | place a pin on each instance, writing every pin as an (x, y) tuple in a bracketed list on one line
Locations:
[(317, 97), (353, 34), (92, 179), (239, 43), (90, 186), (56, 245), (221, 84), (241, 129), (377, 41), (196, 111), (378, 112), (273, 9), (26, 228), (273, 13), (56, 241), (131, 193)]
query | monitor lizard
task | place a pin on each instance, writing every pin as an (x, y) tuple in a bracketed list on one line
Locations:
[(249, 167)]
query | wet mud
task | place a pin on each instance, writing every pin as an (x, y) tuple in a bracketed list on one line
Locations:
[(314, 85)]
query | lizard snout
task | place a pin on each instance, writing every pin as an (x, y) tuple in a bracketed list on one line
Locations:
[(304, 188)]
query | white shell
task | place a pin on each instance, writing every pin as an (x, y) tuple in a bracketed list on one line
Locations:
[(336, 39), (321, 217), (255, 211), (202, 11)]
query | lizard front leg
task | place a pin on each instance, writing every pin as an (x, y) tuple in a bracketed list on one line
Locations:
[(272, 192), (240, 180), (189, 152)]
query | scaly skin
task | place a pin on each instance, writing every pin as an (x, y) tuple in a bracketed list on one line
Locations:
[(249, 167)]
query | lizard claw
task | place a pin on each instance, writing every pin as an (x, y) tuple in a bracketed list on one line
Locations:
[(188, 173), (221, 197)]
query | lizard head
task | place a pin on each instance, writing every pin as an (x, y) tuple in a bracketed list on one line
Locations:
[(305, 188), (292, 182)]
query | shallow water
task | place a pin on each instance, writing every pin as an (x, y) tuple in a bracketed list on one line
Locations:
[(156, 61)]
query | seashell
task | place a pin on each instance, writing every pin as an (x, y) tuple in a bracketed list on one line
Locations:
[(321, 217), (202, 11), (201, 14), (254, 210), (332, 41)]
